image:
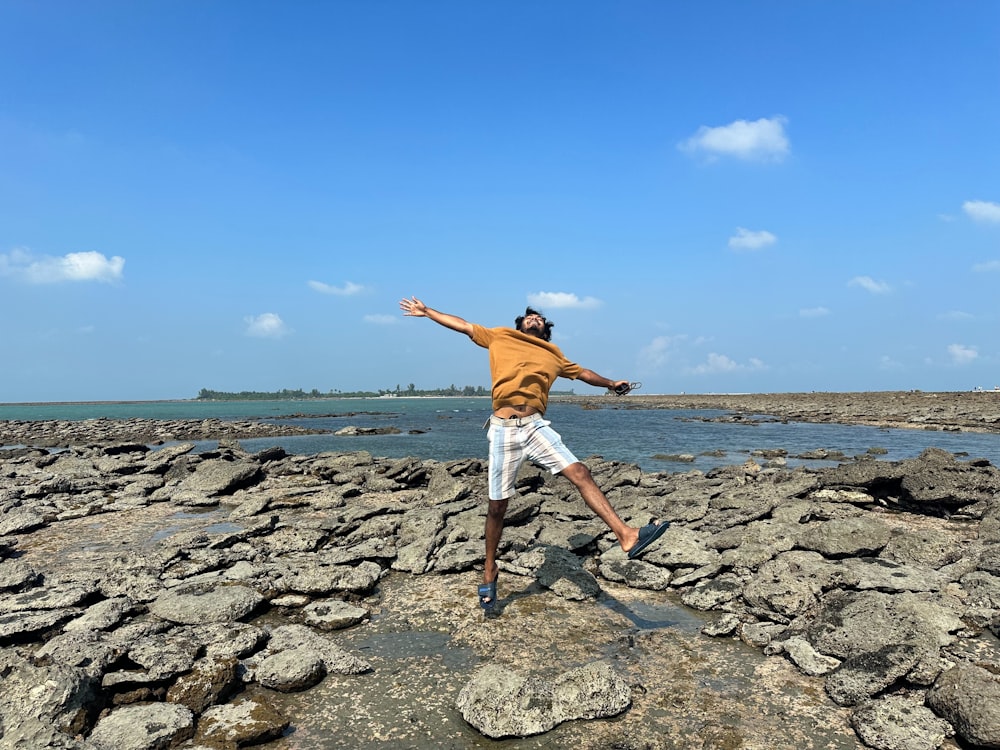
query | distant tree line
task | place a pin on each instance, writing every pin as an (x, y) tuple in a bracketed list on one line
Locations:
[(286, 394)]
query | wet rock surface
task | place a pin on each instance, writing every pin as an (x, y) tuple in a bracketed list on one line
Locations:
[(156, 598)]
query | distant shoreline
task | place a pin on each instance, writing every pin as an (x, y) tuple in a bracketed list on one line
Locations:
[(99, 403)]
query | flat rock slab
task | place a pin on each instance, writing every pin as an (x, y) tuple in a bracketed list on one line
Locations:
[(197, 604)]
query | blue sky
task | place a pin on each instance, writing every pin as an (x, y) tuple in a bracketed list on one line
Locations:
[(705, 197)]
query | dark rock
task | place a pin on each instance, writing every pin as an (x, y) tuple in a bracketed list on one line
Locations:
[(969, 698)]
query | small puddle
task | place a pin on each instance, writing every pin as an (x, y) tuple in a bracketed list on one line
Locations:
[(649, 616), (403, 646), (222, 527)]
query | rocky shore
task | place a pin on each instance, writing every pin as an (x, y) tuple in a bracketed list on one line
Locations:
[(154, 598), (971, 411), (59, 433)]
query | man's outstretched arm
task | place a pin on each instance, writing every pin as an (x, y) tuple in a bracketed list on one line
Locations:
[(592, 378), (417, 309)]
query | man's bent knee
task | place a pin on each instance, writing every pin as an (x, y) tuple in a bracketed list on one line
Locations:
[(577, 473)]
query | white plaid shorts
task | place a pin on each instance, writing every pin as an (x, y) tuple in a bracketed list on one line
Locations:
[(513, 441)]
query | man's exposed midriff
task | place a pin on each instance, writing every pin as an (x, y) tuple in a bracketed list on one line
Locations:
[(514, 411)]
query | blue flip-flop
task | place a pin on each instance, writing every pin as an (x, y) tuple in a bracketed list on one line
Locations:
[(647, 535), (488, 594)]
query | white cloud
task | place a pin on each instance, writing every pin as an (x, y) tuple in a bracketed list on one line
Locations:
[(382, 320), (763, 139), (87, 266), (717, 363), (266, 326), (349, 289), (982, 211), (990, 265), (562, 300), (813, 312), (869, 284), (961, 354), (657, 352), (744, 239)]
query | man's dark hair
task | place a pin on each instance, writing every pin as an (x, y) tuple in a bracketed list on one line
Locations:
[(546, 332)]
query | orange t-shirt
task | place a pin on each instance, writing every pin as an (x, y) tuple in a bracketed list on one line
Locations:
[(523, 367)]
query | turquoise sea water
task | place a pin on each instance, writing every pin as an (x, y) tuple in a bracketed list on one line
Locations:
[(451, 428)]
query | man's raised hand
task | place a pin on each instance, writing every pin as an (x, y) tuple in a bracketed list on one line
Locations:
[(413, 307)]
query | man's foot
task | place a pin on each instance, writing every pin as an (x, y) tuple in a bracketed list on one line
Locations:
[(647, 535), (488, 592)]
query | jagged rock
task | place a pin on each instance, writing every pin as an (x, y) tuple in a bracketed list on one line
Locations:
[(452, 558), (18, 624), (102, 615), (194, 604), (14, 574), (333, 614), (56, 695), (727, 624), (615, 566), (166, 654), (309, 575), (808, 659), (289, 637), (209, 682), (149, 726), (291, 670), (500, 703), (250, 721), (900, 722), (20, 520), (354, 431), (221, 477), (711, 594), (864, 675), (561, 571), (791, 583), (56, 596), (760, 634), (983, 589), (92, 652), (968, 697), (444, 487), (843, 537), (888, 576), (230, 639), (849, 624), (418, 538), (921, 547), (679, 547)]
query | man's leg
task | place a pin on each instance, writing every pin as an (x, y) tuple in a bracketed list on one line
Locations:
[(494, 529), (506, 456), (581, 477)]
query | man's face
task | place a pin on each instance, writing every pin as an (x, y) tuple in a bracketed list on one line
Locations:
[(533, 324)]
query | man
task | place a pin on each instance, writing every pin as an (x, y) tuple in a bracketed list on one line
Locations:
[(523, 366)]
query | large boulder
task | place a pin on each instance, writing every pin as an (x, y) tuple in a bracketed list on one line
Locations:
[(502, 703), (969, 698), (147, 726)]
